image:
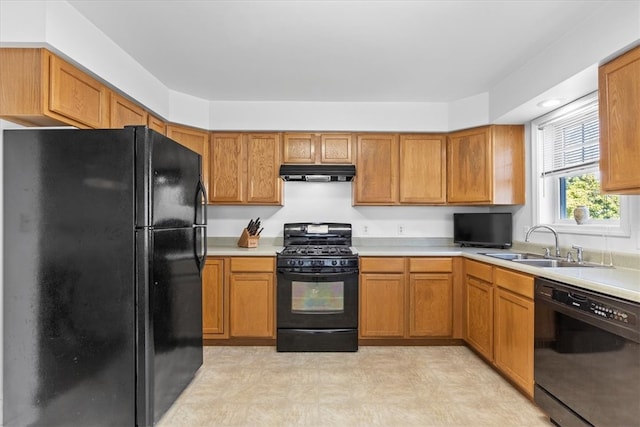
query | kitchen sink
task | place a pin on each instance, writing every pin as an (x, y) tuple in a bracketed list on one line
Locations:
[(545, 262), (510, 256), (539, 260)]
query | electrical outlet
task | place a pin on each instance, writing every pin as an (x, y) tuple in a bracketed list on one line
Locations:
[(365, 229), (401, 229)]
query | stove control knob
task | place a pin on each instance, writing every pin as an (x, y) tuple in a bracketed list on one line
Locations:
[(343, 262), (334, 262), (300, 262), (292, 262)]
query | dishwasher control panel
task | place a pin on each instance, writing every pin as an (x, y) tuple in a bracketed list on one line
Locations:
[(592, 305)]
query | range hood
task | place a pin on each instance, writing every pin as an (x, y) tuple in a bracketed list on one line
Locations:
[(318, 173)]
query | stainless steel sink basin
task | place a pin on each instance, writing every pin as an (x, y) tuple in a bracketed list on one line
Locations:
[(510, 256), (538, 260), (544, 262)]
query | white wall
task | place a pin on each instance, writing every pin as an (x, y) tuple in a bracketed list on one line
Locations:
[(309, 202), (349, 116), (56, 25)]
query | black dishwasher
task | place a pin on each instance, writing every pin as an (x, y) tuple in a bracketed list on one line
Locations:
[(586, 356)]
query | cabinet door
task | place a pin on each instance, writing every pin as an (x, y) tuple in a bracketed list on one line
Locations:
[(77, 96), (264, 185), (376, 181), (156, 124), (423, 169), (619, 103), (123, 112), (299, 148), (196, 140), (335, 148), (479, 315), (382, 305), (469, 166), (228, 157), (430, 305), (251, 305), (513, 337), (213, 298)]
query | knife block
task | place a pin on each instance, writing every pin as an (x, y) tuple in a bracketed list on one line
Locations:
[(247, 241)]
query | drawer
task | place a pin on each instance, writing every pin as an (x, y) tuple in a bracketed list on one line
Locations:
[(518, 283), (253, 264), (430, 265), (381, 265), (479, 270)]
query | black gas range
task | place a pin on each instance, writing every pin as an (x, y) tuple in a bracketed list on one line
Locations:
[(317, 289)]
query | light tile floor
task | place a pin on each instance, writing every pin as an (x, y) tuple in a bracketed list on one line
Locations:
[(376, 386)]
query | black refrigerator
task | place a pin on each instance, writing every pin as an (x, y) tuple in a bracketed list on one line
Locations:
[(104, 245)]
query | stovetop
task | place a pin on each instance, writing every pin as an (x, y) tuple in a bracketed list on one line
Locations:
[(314, 250), (317, 245)]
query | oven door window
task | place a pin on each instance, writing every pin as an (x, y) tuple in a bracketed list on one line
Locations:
[(317, 297)]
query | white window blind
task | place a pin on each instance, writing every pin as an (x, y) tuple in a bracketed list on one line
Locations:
[(571, 143)]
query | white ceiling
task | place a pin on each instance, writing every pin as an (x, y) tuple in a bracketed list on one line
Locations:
[(369, 51)]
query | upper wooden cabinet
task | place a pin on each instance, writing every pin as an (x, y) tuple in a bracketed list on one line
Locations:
[(485, 165), (123, 112), (376, 180), (422, 167), (317, 148), (245, 168), (619, 104), (38, 88), (156, 124), (400, 169), (195, 139)]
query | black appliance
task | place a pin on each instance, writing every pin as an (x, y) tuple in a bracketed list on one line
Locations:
[(483, 229), (586, 357), (104, 236), (317, 289), (318, 173)]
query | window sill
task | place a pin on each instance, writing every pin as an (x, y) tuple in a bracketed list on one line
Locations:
[(618, 230)]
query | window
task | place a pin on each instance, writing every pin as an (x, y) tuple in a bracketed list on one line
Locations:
[(568, 152)]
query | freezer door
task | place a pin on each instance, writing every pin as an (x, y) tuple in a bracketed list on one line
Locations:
[(170, 298), (170, 192), (68, 284)]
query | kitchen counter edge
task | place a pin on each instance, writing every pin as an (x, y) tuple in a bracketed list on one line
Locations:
[(617, 282)]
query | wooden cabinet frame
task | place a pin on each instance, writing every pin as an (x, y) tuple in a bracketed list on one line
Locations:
[(316, 148), (410, 298), (619, 104)]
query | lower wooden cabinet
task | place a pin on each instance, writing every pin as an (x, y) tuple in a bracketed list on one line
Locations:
[(213, 299), (513, 327), (238, 298), (479, 307), (251, 297), (406, 297), (430, 305), (499, 320), (382, 306)]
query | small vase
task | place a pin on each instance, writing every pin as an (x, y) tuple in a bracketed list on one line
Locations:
[(581, 214)]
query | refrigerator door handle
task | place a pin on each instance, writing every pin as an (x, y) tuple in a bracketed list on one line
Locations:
[(200, 226), (201, 205), (200, 245)]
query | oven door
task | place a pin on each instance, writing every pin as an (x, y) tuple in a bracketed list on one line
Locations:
[(586, 372), (317, 300)]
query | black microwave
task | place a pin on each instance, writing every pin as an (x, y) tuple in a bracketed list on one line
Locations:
[(483, 229)]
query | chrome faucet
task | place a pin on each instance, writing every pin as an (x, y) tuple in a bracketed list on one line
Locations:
[(555, 235)]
